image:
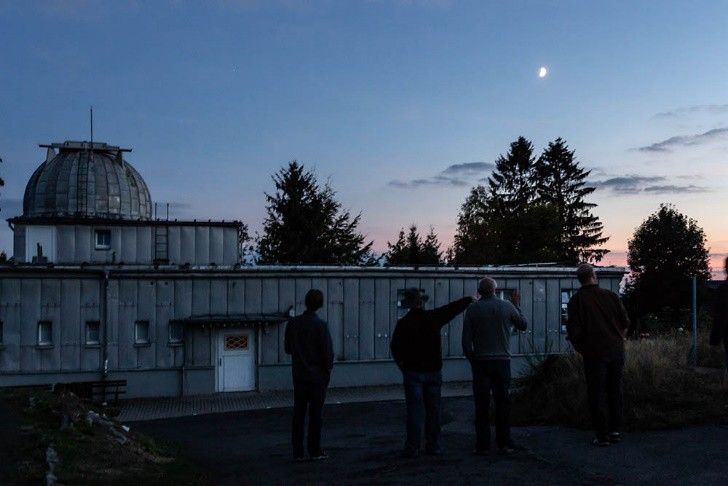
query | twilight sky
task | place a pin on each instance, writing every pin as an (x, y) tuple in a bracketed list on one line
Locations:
[(403, 105)]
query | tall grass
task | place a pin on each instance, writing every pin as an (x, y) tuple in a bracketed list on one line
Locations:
[(661, 388)]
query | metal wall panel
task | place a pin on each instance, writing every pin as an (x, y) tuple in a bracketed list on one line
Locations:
[(236, 296), (303, 285), (351, 319), (146, 311), (218, 296), (202, 352), (66, 248), (396, 312), (525, 342), (456, 326), (164, 312), (110, 330), (29, 317), (286, 298), (83, 243), (19, 243), (336, 316), (173, 244), (127, 358), (10, 314), (216, 246), (230, 246), (187, 245), (90, 311), (382, 316), (269, 336), (553, 295), (50, 302), (182, 310), (128, 246), (366, 319), (440, 297), (538, 337), (144, 245), (202, 245)]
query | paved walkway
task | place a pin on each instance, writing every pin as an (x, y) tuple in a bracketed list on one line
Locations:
[(160, 408)]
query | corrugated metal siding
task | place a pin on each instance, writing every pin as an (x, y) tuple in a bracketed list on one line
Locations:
[(361, 312)]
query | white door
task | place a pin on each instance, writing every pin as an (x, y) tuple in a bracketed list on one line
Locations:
[(236, 360)]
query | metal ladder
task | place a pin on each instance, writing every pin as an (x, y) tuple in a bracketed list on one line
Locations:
[(82, 182)]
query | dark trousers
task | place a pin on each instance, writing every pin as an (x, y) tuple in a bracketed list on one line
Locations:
[(492, 376), (422, 395), (604, 380), (307, 396)]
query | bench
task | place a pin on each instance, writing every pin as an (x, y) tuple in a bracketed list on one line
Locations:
[(96, 391)]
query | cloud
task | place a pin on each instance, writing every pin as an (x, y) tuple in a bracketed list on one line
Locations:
[(457, 175), (711, 109), (686, 140), (629, 184), (636, 184), (674, 189)]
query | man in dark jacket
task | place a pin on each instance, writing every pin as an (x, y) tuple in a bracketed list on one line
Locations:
[(719, 332), (308, 341), (596, 326), (417, 349)]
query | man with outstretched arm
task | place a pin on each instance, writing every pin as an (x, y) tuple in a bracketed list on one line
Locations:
[(596, 326), (308, 341), (486, 340), (417, 349)]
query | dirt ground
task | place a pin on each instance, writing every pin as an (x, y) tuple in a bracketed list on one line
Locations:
[(364, 441)]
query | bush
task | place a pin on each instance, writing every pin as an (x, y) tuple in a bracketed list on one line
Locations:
[(661, 388)]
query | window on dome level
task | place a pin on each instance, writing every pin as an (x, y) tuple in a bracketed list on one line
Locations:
[(103, 239)]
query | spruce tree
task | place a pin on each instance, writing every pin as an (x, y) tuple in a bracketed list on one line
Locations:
[(431, 253), (561, 182), (412, 249), (512, 183), (305, 224)]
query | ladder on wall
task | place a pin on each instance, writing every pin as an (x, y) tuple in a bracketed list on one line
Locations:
[(82, 182), (161, 244)]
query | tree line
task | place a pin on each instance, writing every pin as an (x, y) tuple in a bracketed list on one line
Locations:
[(530, 210)]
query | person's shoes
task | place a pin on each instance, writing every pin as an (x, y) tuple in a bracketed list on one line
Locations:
[(410, 453), (320, 456), (601, 442), (614, 437)]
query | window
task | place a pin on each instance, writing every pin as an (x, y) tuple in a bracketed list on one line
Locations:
[(504, 294), (176, 333), (93, 333), (566, 295), (141, 332), (103, 239), (45, 333)]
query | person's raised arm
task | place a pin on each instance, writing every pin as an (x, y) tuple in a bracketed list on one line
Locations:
[(447, 312)]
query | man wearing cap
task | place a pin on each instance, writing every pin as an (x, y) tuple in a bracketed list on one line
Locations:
[(417, 350), (596, 325), (487, 330)]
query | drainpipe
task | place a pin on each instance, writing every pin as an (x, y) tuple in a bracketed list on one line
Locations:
[(103, 314)]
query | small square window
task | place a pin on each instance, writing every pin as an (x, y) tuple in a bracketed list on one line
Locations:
[(176, 333), (141, 332), (505, 294), (103, 239), (45, 333), (93, 333)]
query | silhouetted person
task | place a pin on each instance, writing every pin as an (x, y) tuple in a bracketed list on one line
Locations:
[(597, 323), (308, 341), (719, 332), (486, 338), (417, 349)]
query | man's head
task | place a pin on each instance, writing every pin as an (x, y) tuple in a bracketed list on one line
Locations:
[(413, 299), (586, 275), (314, 300), (487, 286)]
